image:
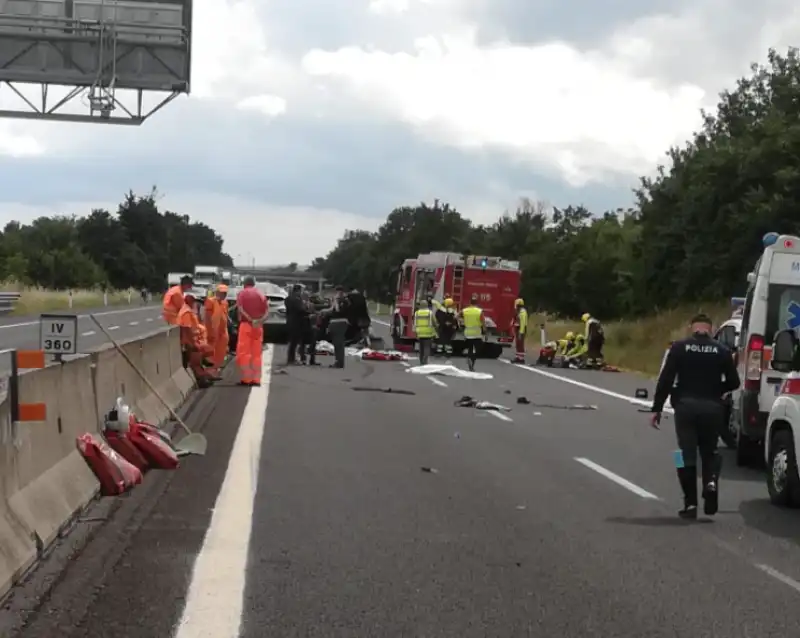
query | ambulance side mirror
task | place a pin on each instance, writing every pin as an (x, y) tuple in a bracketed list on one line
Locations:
[(784, 351)]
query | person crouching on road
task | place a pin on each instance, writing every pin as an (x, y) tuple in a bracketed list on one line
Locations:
[(252, 308), (448, 326), (705, 373), (195, 348), (425, 330), (474, 327), (215, 315), (595, 339), (519, 327), (338, 313), (174, 300)]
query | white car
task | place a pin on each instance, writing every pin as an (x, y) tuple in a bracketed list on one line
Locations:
[(783, 425)]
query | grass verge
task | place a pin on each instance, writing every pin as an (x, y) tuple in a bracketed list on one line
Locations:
[(636, 345), (33, 301)]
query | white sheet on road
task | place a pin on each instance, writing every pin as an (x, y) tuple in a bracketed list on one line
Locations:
[(448, 371)]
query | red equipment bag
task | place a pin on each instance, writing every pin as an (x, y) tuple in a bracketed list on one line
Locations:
[(120, 442), (115, 474), (159, 454), (374, 355)]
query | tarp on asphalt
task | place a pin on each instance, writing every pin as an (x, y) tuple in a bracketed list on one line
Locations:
[(448, 371)]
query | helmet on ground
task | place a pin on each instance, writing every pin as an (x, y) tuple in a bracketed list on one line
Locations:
[(519, 302), (585, 317), (570, 335), (448, 302)]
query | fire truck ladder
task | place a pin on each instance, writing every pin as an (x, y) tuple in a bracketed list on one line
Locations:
[(458, 285)]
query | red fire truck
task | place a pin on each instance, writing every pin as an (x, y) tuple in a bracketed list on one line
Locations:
[(494, 280)]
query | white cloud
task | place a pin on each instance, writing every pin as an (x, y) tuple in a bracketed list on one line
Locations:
[(550, 104), (269, 105)]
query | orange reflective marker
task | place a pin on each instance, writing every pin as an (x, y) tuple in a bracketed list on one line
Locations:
[(30, 359), (32, 412)]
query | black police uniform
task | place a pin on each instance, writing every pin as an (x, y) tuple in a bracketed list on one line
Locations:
[(705, 371)]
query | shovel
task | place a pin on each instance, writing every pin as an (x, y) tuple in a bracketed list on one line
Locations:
[(192, 443)]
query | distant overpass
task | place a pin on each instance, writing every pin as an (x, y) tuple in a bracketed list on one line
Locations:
[(311, 278)]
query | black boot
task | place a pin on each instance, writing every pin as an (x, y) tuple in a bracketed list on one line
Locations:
[(711, 470), (687, 477)]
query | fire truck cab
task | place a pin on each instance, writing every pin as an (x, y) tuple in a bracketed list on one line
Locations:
[(494, 280)]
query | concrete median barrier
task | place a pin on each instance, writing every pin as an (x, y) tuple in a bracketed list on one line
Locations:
[(44, 482)]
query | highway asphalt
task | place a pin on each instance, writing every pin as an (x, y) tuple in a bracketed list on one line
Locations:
[(326, 511), (124, 323)]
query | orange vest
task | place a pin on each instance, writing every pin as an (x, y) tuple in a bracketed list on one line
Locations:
[(173, 303), (192, 331), (216, 318)]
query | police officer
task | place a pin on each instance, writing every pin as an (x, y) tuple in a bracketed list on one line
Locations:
[(705, 372), (474, 326), (425, 329)]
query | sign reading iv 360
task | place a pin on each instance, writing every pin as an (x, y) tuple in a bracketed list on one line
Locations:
[(58, 334)]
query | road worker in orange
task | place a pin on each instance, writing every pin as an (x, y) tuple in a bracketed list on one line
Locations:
[(252, 308), (193, 341), (215, 313), (174, 301)]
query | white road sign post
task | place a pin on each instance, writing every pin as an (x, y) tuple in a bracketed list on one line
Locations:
[(58, 335)]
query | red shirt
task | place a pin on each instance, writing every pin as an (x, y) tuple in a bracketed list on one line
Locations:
[(253, 302)]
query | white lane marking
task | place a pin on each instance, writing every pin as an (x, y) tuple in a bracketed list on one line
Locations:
[(133, 323), (96, 314), (786, 580), (113, 328), (88, 333), (499, 415), (149, 319), (215, 600), (436, 381), (405, 363), (616, 478), (383, 323), (586, 386)]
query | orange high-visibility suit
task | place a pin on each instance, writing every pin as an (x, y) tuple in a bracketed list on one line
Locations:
[(194, 341), (252, 306), (216, 322), (173, 302)]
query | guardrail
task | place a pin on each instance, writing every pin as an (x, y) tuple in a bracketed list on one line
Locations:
[(7, 301)]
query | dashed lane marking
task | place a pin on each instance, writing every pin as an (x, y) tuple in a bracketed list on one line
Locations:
[(436, 381), (88, 333), (616, 478), (66, 311), (499, 415)]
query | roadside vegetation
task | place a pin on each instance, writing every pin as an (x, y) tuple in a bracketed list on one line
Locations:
[(132, 248), (687, 241)]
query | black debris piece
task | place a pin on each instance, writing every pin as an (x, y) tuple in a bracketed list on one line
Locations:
[(429, 470), (523, 400), (384, 390)]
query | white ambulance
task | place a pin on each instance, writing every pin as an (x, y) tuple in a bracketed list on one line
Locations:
[(772, 304)]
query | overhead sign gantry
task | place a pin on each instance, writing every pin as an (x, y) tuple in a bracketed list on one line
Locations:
[(95, 48)]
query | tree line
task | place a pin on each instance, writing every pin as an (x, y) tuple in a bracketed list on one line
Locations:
[(134, 248), (692, 234)]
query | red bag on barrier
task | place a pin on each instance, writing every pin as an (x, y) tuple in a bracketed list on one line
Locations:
[(159, 454), (115, 474), (121, 443)]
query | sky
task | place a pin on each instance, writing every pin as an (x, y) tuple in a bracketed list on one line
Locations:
[(306, 119)]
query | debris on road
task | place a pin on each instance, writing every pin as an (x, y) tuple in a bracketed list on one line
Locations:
[(367, 354), (384, 390), (429, 470), (324, 348), (641, 393), (558, 406), (448, 371), (469, 402), (523, 400)]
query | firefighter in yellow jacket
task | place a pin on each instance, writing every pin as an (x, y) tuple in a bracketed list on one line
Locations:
[(425, 330), (519, 327)]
